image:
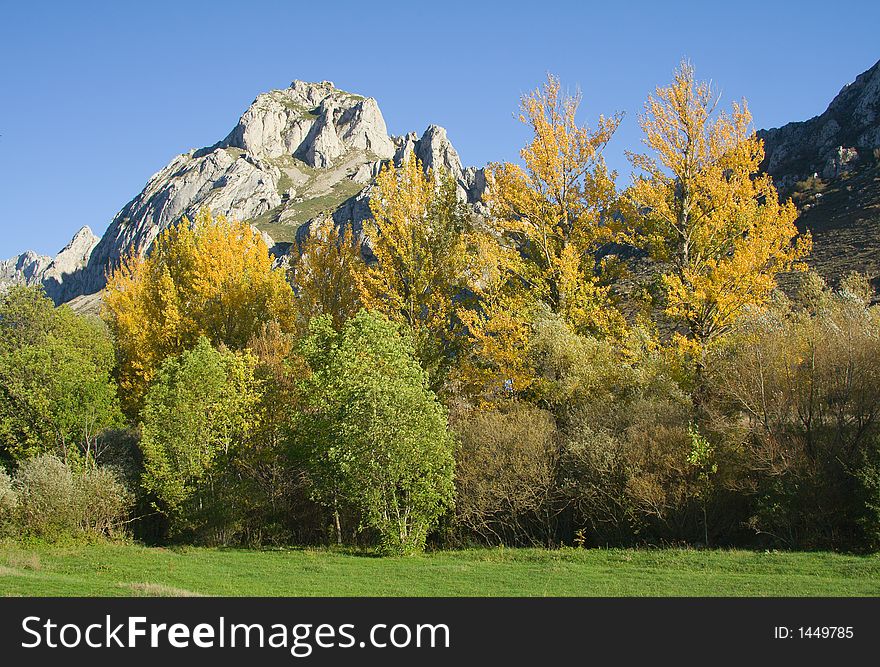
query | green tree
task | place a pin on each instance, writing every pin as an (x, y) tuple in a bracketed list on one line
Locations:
[(197, 417), (56, 390), (376, 434)]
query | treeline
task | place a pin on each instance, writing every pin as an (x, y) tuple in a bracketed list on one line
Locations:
[(584, 364)]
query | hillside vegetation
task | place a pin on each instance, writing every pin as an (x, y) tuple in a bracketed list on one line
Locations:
[(448, 376)]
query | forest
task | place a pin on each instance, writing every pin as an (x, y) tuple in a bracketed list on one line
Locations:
[(589, 364)]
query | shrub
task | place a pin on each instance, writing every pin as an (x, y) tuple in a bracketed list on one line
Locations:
[(48, 498), (56, 501), (103, 499), (805, 384), (505, 470), (8, 503)]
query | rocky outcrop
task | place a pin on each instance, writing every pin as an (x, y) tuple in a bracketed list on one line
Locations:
[(63, 278), (26, 269), (295, 154), (312, 121), (60, 276), (435, 151), (833, 143)]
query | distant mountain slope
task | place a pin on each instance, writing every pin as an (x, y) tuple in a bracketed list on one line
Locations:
[(830, 166), (295, 154)]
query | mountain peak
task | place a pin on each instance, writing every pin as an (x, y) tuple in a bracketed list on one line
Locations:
[(831, 143)]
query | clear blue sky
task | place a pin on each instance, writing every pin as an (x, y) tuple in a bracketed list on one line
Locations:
[(96, 97)]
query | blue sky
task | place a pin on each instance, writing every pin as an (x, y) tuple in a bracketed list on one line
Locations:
[(99, 96)]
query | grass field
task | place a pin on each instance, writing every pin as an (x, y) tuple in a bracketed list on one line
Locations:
[(131, 570)]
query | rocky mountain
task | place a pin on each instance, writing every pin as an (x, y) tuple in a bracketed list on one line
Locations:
[(295, 154), (312, 149), (830, 166), (832, 143)]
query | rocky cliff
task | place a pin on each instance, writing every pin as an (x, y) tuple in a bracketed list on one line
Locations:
[(830, 166), (295, 154), (832, 143)]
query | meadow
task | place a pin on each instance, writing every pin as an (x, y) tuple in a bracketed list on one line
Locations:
[(115, 569)]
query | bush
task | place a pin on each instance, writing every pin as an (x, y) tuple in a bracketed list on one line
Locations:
[(56, 501), (505, 472), (8, 503), (623, 471), (805, 385), (103, 500), (48, 498)]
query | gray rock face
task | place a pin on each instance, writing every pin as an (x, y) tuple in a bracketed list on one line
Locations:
[(435, 151), (60, 276), (26, 269), (312, 121), (63, 278), (831, 143), (296, 154)]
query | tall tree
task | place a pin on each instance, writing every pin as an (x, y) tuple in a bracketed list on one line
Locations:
[(556, 207), (211, 278), (706, 213), (417, 236), (56, 388), (323, 274), (376, 435), (198, 417)]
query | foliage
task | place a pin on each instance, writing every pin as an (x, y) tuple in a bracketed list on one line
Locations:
[(55, 367), (104, 500), (557, 208), (806, 387), (197, 417), (706, 213), (8, 503), (417, 236), (55, 500), (323, 274), (375, 434), (211, 278), (505, 472), (498, 327)]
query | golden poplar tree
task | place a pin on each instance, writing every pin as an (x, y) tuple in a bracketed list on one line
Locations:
[(212, 277), (556, 208), (705, 212), (548, 218), (323, 274), (420, 255)]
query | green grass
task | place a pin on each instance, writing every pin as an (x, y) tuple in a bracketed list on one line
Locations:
[(119, 569)]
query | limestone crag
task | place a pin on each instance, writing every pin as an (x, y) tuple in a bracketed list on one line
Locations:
[(833, 143), (295, 154), (26, 269)]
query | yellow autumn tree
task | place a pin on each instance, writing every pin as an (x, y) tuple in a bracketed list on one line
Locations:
[(497, 321), (556, 208), (323, 274), (705, 212), (417, 236), (212, 277)]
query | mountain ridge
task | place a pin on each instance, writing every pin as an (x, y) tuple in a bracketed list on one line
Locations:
[(312, 150), (295, 154)]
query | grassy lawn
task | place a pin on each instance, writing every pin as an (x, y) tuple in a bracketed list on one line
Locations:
[(120, 569)]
